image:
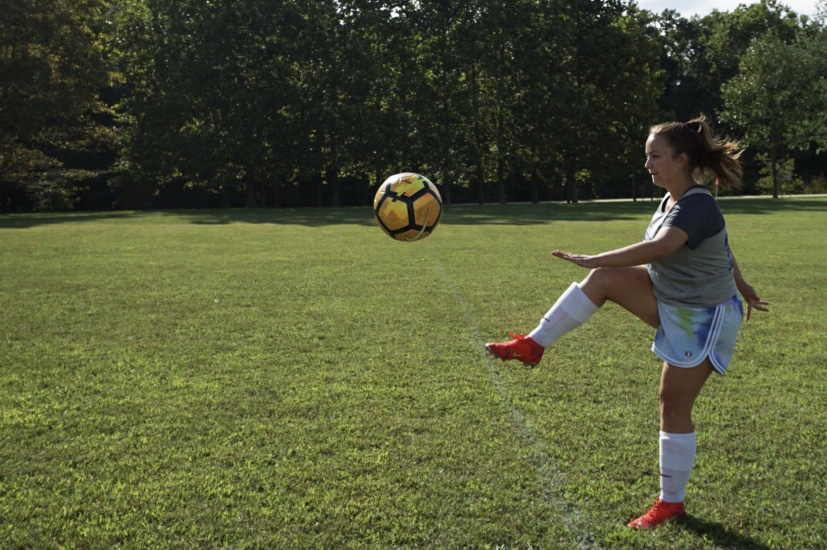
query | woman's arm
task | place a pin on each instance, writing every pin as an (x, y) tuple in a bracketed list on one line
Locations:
[(746, 290), (667, 241)]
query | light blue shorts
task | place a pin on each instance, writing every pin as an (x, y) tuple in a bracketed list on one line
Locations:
[(688, 335)]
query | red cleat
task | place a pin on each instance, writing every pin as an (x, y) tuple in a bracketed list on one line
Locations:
[(521, 348), (659, 514)]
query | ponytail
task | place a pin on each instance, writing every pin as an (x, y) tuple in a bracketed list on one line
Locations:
[(708, 154)]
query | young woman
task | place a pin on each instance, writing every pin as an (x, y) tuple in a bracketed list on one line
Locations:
[(682, 280)]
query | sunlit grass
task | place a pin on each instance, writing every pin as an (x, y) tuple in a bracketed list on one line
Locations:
[(294, 378)]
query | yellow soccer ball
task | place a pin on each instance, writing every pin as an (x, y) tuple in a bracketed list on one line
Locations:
[(407, 206)]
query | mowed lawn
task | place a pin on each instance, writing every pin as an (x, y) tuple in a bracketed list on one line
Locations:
[(296, 379)]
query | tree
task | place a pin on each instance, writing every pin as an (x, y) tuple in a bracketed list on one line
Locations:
[(777, 98), (214, 102), (688, 88), (727, 37), (610, 91), (52, 71), (442, 92)]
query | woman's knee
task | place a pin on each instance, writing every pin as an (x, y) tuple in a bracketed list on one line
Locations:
[(599, 282), (602, 274)]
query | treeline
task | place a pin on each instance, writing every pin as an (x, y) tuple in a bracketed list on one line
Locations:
[(210, 103)]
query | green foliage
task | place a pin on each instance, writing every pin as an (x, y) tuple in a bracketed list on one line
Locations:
[(274, 103), (53, 69), (702, 54), (783, 179), (211, 101), (730, 35), (322, 89), (777, 98), (276, 379)]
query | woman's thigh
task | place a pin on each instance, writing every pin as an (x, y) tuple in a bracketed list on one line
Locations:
[(628, 287)]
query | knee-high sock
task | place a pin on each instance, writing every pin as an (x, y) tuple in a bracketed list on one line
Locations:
[(677, 456), (571, 310)]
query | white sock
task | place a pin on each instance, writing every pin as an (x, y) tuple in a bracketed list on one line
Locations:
[(571, 310), (677, 455)]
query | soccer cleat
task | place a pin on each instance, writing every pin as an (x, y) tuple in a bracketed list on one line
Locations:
[(519, 348), (659, 514)]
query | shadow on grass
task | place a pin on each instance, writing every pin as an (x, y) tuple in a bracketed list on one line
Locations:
[(493, 214), (510, 214), (24, 221), (738, 205), (464, 214), (720, 535)]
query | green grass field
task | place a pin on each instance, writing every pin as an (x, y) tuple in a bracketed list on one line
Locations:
[(296, 379)]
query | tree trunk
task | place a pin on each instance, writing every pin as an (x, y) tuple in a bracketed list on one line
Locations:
[(318, 186), (252, 194), (477, 135), (774, 163), (379, 178), (535, 188), (446, 191), (278, 197), (333, 187), (480, 186), (501, 146), (501, 182), (571, 184)]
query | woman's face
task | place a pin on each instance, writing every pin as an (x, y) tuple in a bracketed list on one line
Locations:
[(662, 163)]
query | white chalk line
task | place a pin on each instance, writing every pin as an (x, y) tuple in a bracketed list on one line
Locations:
[(573, 519)]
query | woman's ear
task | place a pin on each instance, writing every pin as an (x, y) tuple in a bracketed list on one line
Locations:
[(683, 160)]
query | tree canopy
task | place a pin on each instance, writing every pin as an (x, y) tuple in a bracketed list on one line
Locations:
[(154, 103)]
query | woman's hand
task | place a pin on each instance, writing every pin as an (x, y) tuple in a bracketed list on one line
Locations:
[(577, 259), (751, 298)]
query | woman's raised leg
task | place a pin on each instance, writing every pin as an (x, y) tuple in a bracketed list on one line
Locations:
[(628, 287)]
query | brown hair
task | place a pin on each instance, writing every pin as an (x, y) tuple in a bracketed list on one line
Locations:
[(707, 153)]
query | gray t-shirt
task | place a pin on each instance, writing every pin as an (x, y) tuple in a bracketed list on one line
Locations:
[(698, 274)]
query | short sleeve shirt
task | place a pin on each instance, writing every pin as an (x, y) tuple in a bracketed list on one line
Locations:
[(700, 272), (698, 215)]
